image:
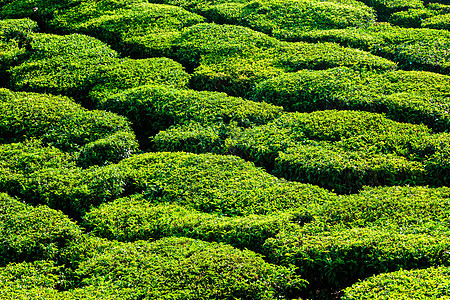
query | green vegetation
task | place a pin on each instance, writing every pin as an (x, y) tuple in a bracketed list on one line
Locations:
[(434, 16), (233, 58), (347, 99), (62, 123), (344, 150), (405, 96), (281, 17), (29, 233), (413, 48), (134, 218), (431, 283), (136, 28), (181, 268), (152, 108), (77, 65), (14, 40)]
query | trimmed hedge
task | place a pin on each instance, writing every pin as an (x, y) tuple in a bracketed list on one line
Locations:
[(30, 233), (193, 137), (234, 58), (61, 122), (134, 218), (69, 65), (77, 65), (333, 257), (134, 28), (209, 183), (39, 10), (181, 268), (346, 171), (386, 7), (405, 96), (434, 16), (413, 48), (14, 41), (407, 209), (281, 18), (153, 108), (431, 283), (344, 150), (130, 73), (213, 183), (44, 280)]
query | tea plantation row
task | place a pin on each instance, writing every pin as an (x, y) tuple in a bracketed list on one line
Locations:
[(317, 93)]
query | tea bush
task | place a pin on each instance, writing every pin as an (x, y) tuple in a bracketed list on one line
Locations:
[(39, 10), (405, 96), (214, 183), (280, 17), (14, 40), (135, 28), (130, 73), (78, 65), (430, 283), (344, 150), (413, 48), (110, 149), (134, 218), (181, 268), (408, 209), (334, 257), (386, 7), (68, 65), (60, 122), (435, 16), (30, 233), (234, 58), (152, 108), (209, 183)]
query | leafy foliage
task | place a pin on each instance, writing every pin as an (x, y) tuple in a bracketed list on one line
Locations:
[(431, 283), (405, 96), (32, 232)]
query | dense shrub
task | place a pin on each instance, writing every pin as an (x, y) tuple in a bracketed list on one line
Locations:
[(412, 48), (405, 96), (192, 137), (14, 40), (431, 283), (344, 150), (280, 17), (408, 209), (214, 183), (334, 257), (346, 171), (40, 10), (76, 64), (386, 7), (110, 149), (69, 65), (29, 233), (435, 16), (130, 73), (181, 268), (135, 28), (153, 108), (209, 183), (60, 122), (234, 58), (437, 22), (44, 280), (134, 218)]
